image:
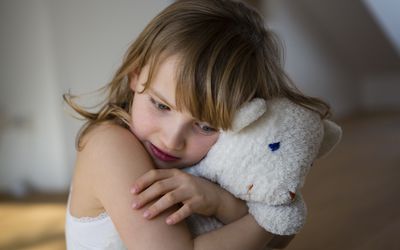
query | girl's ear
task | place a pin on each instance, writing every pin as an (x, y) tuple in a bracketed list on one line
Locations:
[(134, 78)]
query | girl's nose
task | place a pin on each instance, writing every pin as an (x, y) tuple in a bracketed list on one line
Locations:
[(174, 137)]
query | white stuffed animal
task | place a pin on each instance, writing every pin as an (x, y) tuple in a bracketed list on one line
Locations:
[(264, 160)]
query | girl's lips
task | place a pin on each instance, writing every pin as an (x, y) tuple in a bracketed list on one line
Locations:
[(161, 155)]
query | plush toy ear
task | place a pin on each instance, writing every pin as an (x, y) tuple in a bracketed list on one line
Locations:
[(248, 113), (332, 136)]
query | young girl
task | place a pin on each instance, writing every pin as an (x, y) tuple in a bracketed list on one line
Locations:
[(180, 83)]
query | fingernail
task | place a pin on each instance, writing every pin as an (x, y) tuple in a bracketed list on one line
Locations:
[(134, 190), (135, 205), (170, 221), (146, 214)]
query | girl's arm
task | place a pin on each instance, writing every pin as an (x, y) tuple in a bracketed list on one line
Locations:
[(112, 159), (168, 187), (202, 196), (244, 233)]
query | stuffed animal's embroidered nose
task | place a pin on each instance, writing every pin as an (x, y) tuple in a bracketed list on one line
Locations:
[(274, 146)]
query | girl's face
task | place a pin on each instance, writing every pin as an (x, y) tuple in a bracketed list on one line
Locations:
[(173, 139)]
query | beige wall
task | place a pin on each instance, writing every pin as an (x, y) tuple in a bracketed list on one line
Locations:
[(309, 60), (337, 51), (47, 48)]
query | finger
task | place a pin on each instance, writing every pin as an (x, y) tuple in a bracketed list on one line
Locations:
[(153, 192), (148, 179), (185, 211), (168, 200)]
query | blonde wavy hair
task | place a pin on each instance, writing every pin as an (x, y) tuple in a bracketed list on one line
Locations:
[(227, 57)]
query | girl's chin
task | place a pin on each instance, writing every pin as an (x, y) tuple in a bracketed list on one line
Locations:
[(167, 165)]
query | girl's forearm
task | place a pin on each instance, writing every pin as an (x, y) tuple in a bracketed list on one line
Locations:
[(230, 208), (241, 234)]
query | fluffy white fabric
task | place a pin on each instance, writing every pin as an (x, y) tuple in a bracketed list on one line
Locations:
[(264, 160)]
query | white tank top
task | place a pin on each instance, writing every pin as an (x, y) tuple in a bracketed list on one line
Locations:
[(91, 233)]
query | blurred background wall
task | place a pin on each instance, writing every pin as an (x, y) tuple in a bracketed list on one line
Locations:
[(342, 51), (346, 52), (48, 48)]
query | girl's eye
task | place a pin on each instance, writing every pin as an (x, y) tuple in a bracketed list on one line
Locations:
[(158, 105), (206, 129)]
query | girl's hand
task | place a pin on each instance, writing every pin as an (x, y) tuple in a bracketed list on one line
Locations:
[(173, 186)]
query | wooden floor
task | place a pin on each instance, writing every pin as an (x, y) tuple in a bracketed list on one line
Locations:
[(32, 223), (352, 197)]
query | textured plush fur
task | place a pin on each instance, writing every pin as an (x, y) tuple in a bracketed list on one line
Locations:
[(265, 159)]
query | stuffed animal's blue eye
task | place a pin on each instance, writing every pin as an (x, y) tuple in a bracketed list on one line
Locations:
[(274, 146)]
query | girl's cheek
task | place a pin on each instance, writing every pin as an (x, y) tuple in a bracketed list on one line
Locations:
[(142, 123), (145, 124), (202, 144)]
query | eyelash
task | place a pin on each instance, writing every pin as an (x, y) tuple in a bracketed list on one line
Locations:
[(159, 106), (205, 129)]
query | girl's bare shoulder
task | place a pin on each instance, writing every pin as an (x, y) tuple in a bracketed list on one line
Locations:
[(110, 148), (108, 134), (108, 140), (110, 158)]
